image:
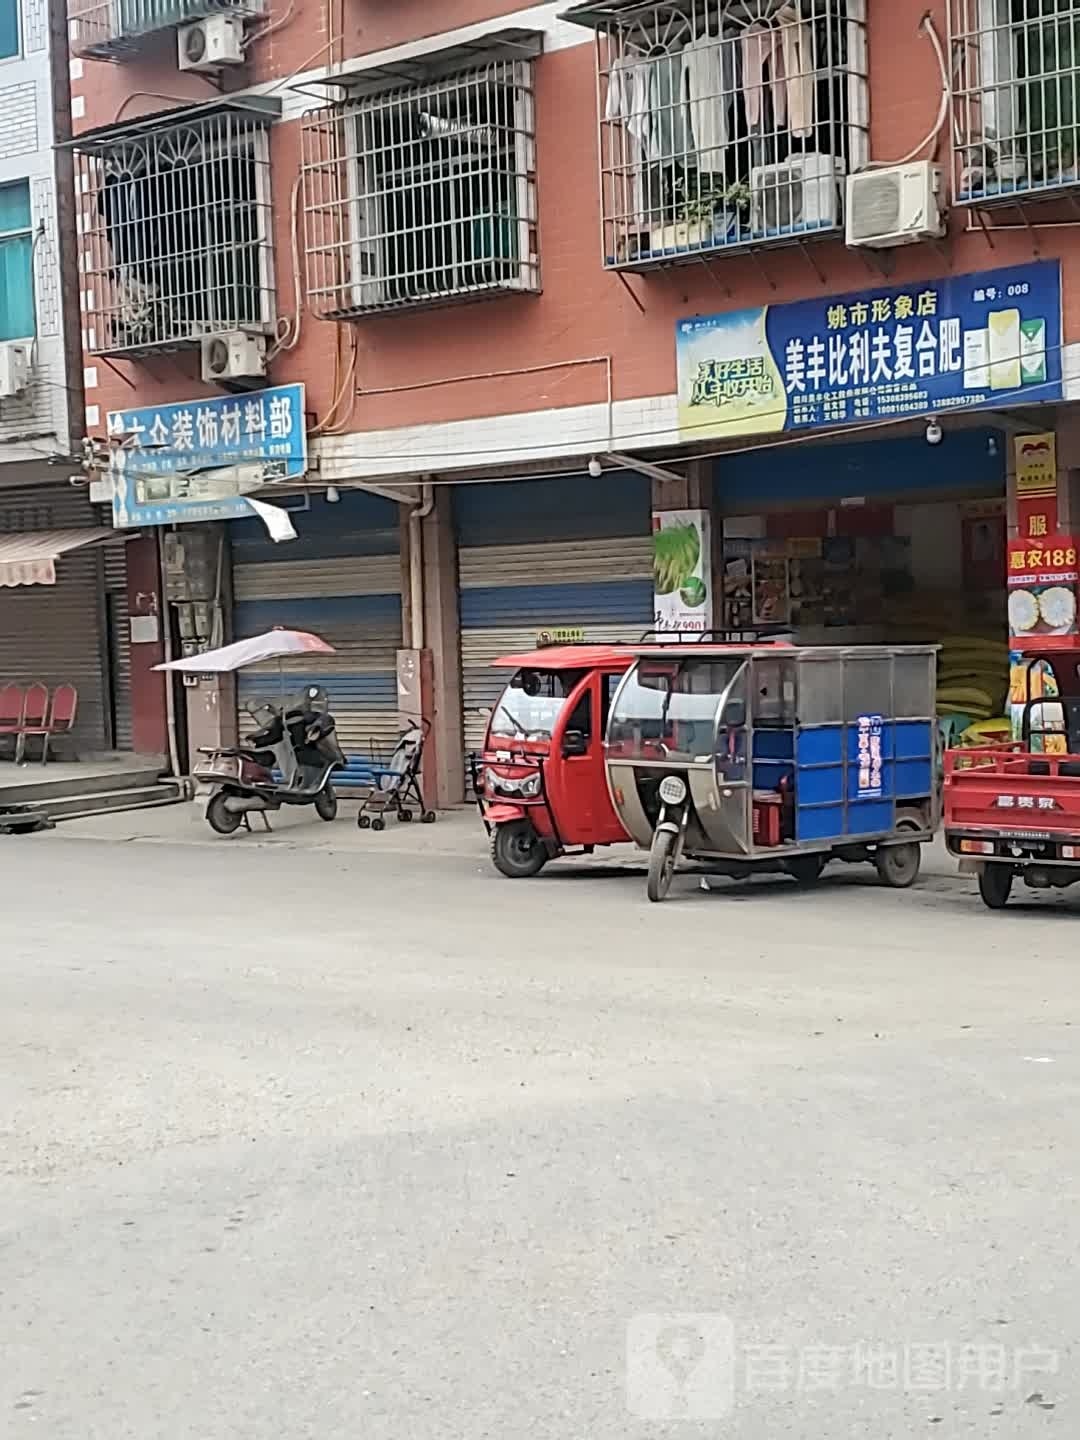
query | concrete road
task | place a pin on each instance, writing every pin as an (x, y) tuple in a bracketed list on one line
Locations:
[(346, 1145)]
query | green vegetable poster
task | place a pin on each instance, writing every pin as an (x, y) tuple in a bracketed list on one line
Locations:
[(682, 570)]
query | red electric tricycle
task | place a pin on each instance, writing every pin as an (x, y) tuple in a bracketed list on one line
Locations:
[(540, 782), (1013, 811)]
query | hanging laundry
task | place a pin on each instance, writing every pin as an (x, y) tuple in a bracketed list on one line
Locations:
[(628, 104), (797, 47), (786, 50), (669, 131), (761, 51), (709, 73)]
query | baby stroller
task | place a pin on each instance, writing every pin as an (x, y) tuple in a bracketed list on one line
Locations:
[(397, 786)]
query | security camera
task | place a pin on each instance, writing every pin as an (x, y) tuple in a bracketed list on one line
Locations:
[(934, 433), (595, 468), (333, 495)]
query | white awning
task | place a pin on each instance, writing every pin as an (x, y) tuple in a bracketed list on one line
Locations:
[(28, 557)]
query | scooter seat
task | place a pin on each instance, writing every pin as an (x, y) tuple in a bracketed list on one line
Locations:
[(249, 752)]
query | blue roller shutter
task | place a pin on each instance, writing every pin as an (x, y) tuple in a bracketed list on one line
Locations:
[(540, 555), (341, 579)]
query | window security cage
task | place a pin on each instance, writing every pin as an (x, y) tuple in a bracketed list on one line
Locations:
[(1016, 99), (112, 29), (422, 195), (176, 231), (725, 124)]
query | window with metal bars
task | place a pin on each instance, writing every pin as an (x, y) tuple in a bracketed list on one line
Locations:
[(725, 124), (1016, 98), (176, 233), (111, 29), (423, 195)]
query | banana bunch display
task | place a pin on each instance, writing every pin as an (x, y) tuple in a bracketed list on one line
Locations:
[(675, 558)]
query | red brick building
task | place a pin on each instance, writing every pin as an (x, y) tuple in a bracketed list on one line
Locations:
[(480, 239)]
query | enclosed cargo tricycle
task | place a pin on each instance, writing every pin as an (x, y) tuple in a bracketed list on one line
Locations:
[(776, 757)]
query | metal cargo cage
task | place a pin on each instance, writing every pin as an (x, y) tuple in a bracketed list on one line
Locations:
[(842, 740)]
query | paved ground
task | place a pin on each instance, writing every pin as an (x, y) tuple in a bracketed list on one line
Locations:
[(351, 1143), (457, 835)]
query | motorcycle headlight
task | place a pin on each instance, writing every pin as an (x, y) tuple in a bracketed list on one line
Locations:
[(522, 787), (672, 790)]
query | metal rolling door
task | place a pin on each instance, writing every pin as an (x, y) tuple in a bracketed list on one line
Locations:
[(540, 555), (119, 639), (340, 579), (54, 633)]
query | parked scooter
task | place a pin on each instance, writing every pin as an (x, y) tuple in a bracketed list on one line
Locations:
[(298, 741)]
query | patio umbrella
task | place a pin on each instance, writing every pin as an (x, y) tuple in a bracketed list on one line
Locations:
[(274, 645)]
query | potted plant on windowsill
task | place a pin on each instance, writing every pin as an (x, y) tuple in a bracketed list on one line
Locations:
[(1064, 171), (1011, 166), (692, 227), (735, 214), (710, 216)]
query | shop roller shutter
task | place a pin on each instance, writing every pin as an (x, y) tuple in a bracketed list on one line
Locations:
[(54, 633), (536, 556), (340, 579), (119, 642), (483, 684)]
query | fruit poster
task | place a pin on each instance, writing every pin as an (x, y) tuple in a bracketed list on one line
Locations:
[(682, 571)]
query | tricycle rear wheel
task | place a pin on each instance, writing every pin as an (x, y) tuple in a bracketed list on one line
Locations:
[(995, 885), (662, 856), (517, 851), (898, 865)]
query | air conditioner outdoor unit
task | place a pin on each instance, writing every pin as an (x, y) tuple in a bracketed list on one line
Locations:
[(211, 43), (897, 205), (798, 195), (233, 356), (14, 370)]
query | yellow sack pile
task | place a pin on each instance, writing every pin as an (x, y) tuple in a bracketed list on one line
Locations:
[(973, 676)]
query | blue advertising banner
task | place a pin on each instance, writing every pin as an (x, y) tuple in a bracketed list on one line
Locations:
[(199, 459), (988, 339)]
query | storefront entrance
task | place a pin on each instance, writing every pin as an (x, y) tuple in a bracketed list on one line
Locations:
[(887, 541)]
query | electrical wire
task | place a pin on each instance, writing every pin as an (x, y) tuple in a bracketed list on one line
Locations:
[(272, 28), (624, 442), (290, 338), (776, 440), (927, 24)]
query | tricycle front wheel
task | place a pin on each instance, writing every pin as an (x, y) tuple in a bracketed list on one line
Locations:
[(898, 865), (662, 856), (517, 850), (995, 885)]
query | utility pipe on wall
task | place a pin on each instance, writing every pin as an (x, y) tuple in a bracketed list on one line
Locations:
[(417, 515)]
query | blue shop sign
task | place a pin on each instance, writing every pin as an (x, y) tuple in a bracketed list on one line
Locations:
[(198, 460), (989, 339)]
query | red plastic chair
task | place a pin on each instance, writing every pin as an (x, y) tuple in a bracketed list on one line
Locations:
[(12, 708), (35, 717), (61, 721)]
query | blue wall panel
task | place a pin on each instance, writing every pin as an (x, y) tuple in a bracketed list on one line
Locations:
[(565, 507), (806, 472)]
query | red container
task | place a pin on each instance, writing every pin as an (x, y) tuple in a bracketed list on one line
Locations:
[(766, 810)]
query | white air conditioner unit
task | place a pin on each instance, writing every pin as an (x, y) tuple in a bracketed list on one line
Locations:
[(798, 195), (211, 43), (233, 356), (896, 205), (14, 370)]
